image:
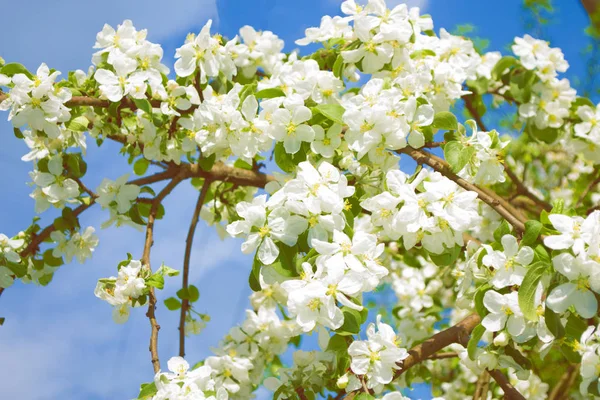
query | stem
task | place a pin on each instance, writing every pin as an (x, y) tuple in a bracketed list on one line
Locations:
[(522, 189), (561, 390), (482, 386), (186, 263), (154, 327), (589, 188)]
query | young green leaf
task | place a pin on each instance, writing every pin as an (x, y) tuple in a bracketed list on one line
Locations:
[(528, 289)]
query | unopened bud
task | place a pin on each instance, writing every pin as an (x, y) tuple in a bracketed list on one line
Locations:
[(501, 340), (342, 381)]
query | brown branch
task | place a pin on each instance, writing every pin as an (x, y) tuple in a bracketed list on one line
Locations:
[(522, 189), (468, 99), (154, 327), (84, 188), (589, 188), (561, 390), (510, 393), (442, 356), (458, 333), (186, 263), (482, 386), (490, 198)]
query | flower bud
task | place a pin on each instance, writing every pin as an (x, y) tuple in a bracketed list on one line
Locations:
[(501, 340), (342, 381)]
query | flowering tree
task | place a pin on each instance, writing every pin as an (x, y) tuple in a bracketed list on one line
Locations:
[(493, 251)]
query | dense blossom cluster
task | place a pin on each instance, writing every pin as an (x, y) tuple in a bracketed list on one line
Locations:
[(342, 220)]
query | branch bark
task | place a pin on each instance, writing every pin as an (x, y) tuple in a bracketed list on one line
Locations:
[(154, 327), (186, 263), (510, 393), (561, 390)]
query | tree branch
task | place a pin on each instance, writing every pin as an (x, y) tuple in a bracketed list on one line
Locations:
[(482, 386), (510, 393), (458, 333), (154, 327), (561, 390), (589, 188), (186, 263), (522, 189), (490, 198)]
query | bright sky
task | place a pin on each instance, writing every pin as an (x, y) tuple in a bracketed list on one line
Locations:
[(60, 341)]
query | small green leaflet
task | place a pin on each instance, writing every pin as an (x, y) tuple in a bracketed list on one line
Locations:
[(474, 340), (528, 289), (445, 120), (332, 111), (269, 93)]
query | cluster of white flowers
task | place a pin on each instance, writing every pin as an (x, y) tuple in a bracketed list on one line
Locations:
[(551, 98), (377, 357), (315, 254), (78, 245), (429, 209), (134, 61), (582, 271), (486, 166), (124, 291)]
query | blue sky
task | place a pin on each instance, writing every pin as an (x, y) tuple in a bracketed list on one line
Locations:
[(59, 341)]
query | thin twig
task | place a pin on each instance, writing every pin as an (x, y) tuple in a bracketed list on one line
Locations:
[(522, 189), (589, 188), (482, 386), (154, 327), (561, 390), (186, 263)]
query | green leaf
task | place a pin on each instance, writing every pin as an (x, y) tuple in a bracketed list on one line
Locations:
[(52, 261), (2, 320), (156, 280), (575, 326), (147, 391), (457, 155), (18, 133), (364, 396), (474, 340), (501, 230), (479, 306), (168, 271), (141, 166), (254, 278), (528, 289), (172, 303), (11, 69), (77, 167), (422, 53), (19, 270), (338, 66), (78, 124), (501, 66), (553, 323), (518, 357), (269, 93), (288, 162), (144, 105), (445, 120), (206, 163), (448, 257), (352, 322), (193, 293), (332, 111), (239, 163), (532, 231)]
